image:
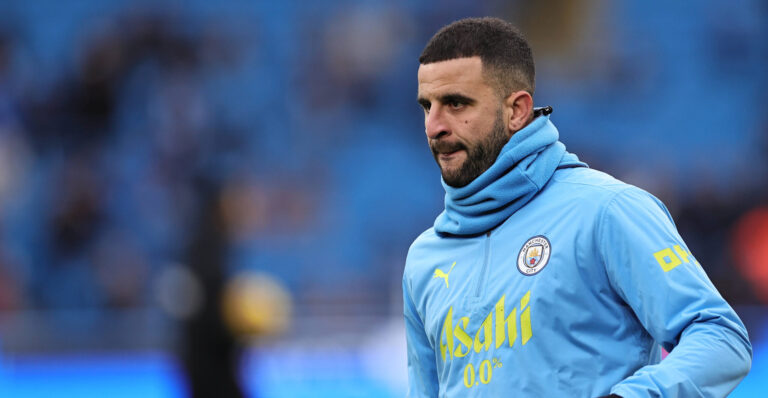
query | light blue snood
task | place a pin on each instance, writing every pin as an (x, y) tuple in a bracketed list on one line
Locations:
[(523, 167)]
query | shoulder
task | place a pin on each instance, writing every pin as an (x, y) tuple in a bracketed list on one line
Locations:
[(424, 239), (599, 187), (598, 196), (421, 247), (589, 180), (615, 204)]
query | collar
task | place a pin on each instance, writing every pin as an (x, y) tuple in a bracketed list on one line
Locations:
[(524, 166)]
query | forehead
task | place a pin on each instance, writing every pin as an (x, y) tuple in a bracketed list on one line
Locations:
[(460, 74)]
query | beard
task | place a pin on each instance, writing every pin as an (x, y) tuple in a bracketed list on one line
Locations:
[(480, 156)]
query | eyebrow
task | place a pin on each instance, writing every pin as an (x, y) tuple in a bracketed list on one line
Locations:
[(447, 98)]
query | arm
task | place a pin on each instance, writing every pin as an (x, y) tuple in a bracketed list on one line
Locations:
[(422, 373), (650, 267)]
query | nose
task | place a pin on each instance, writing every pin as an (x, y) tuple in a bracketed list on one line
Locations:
[(436, 124)]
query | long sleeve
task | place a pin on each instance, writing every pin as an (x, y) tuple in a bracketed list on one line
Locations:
[(422, 373), (652, 270)]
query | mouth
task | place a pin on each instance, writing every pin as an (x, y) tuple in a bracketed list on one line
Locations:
[(445, 156), (445, 151)]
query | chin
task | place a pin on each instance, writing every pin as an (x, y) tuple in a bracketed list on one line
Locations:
[(449, 174), (453, 180)]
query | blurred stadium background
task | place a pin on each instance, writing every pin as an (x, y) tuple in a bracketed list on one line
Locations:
[(198, 195)]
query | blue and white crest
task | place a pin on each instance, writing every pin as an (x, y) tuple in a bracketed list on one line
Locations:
[(534, 255)]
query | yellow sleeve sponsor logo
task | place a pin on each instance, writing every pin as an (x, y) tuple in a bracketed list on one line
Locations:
[(669, 259), (497, 328)]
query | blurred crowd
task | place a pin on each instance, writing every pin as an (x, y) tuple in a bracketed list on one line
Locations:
[(123, 127)]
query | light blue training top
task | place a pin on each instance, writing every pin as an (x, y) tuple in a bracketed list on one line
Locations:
[(544, 278)]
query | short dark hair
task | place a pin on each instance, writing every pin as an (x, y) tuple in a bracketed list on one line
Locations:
[(505, 54)]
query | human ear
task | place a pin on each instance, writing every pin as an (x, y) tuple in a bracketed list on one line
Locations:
[(519, 108)]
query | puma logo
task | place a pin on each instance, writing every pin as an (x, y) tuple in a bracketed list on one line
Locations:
[(440, 274)]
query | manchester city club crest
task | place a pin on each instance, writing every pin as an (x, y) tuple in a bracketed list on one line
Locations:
[(534, 255)]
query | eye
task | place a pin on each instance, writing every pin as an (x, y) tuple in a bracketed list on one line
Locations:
[(455, 104)]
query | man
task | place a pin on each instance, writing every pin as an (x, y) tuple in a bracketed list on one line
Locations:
[(542, 277)]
